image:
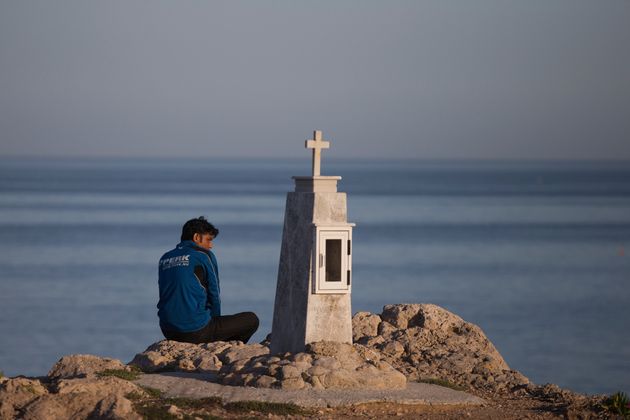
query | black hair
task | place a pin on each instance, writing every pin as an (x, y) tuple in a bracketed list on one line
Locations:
[(199, 225)]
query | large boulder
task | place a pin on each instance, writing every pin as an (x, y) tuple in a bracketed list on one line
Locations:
[(427, 342), (80, 406), (83, 365), (77, 398), (323, 365), (16, 393), (421, 341), (167, 355)]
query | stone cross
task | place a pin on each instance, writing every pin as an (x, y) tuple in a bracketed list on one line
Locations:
[(317, 144)]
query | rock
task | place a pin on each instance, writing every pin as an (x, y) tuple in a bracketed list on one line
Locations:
[(289, 372), (21, 385), (186, 365), (151, 361), (403, 315), (53, 408), (16, 393), (385, 329), (405, 342), (167, 355), (87, 397), (233, 379), (339, 380), (427, 341), (218, 347), (364, 324), (301, 366), (328, 363), (393, 348), (315, 382), (317, 371), (301, 357), (373, 341), (207, 363), (7, 410), (517, 377), (97, 386), (174, 410), (249, 379), (335, 354), (83, 365), (244, 353), (265, 381), (80, 406), (115, 407), (322, 365), (343, 366)]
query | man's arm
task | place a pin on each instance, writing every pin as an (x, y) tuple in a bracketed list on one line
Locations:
[(209, 282), (216, 290), (213, 294)]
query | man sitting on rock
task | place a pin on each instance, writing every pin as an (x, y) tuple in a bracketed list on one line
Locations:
[(190, 306)]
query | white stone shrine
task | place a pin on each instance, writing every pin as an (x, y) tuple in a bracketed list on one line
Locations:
[(315, 271)]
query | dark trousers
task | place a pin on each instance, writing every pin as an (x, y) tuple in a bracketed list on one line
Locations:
[(239, 327)]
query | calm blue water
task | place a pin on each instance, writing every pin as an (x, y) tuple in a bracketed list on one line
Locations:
[(537, 254)]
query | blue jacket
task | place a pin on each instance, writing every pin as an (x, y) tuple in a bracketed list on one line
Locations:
[(189, 288)]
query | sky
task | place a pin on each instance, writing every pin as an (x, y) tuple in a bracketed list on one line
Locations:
[(483, 79)]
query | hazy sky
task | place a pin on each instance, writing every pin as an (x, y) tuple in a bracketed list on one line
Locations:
[(413, 79)]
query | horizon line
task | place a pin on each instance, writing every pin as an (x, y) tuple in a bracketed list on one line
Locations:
[(306, 156)]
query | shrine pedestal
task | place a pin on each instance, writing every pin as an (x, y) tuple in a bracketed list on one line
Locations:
[(315, 270), (300, 314), (316, 183)]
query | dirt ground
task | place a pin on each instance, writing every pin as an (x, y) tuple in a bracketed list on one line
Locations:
[(525, 406), (517, 408)]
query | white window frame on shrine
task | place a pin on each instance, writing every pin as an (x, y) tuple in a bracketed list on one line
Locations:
[(323, 233)]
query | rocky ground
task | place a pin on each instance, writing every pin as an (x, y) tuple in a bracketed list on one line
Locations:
[(407, 342), (324, 365)]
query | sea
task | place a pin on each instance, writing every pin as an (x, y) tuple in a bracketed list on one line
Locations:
[(537, 253)]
